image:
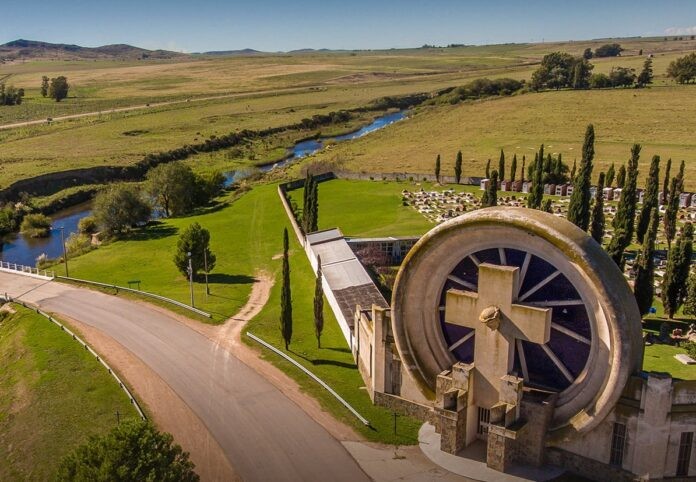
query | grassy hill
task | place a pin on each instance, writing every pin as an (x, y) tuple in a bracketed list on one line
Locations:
[(32, 49)]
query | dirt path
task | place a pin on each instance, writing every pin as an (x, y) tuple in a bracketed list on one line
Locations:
[(153, 105)]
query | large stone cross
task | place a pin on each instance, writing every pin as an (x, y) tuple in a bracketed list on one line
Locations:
[(498, 322)]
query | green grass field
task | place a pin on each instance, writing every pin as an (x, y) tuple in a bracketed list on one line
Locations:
[(53, 396), (246, 236), (659, 118), (660, 358)]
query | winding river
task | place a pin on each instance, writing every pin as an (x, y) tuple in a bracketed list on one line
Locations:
[(21, 250)]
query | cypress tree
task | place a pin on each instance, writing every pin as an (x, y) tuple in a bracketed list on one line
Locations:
[(315, 205), (665, 183), (579, 207), (536, 193), (524, 160), (643, 287), (488, 169), (318, 304), (501, 166), (677, 272), (670, 219), (597, 225), (690, 300), (513, 168), (458, 168), (307, 203), (437, 169), (285, 295), (546, 206), (649, 198), (621, 177), (624, 220), (610, 175), (572, 171), (491, 196)]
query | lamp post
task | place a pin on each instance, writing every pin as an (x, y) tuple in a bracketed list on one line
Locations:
[(65, 252), (190, 270)]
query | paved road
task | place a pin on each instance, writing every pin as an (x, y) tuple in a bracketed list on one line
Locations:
[(264, 435)]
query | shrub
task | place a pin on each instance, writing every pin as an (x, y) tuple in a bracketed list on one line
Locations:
[(87, 225), (36, 225), (600, 81), (133, 450), (78, 244)]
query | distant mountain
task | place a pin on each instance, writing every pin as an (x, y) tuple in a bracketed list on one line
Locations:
[(233, 52), (32, 49)]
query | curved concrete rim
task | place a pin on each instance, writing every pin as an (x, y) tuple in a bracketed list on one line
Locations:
[(613, 302)]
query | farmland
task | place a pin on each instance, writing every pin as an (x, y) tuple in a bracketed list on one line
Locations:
[(215, 96)]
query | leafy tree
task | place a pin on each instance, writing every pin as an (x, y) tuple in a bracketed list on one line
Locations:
[(622, 77), (437, 168), (683, 69), (598, 221), (600, 81), (581, 74), (58, 89), (119, 207), (621, 177), (557, 71), (10, 95), (643, 287), (133, 450), (690, 299), (87, 225), (646, 75), (285, 295), (501, 166), (513, 168), (458, 168), (610, 175), (318, 304), (587, 54), (665, 183), (624, 220), (488, 169), (195, 240), (491, 198), (172, 186), (649, 198), (44, 86), (579, 207), (608, 50), (677, 272)]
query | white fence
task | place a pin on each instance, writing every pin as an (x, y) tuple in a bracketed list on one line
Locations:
[(27, 270)]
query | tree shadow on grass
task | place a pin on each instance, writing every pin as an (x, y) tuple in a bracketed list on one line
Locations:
[(227, 279), (321, 362), (155, 230), (342, 350)]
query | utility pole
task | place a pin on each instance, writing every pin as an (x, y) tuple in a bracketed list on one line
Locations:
[(190, 270), (65, 252), (205, 265)]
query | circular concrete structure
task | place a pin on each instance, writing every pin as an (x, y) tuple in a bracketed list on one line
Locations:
[(595, 338)]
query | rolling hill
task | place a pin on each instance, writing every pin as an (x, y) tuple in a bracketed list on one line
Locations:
[(33, 49)]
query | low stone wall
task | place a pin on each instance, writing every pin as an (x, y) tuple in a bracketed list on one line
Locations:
[(585, 467), (404, 176), (405, 407)]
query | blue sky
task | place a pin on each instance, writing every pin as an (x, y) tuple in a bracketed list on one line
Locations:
[(272, 25)]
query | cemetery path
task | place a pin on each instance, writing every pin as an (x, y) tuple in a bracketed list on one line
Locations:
[(263, 433)]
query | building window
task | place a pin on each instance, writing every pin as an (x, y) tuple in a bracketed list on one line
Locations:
[(618, 442), (684, 457)]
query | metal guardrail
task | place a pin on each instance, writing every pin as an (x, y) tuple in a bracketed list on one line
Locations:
[(27, 270), (123, 386), (311, 375), (144, 293)]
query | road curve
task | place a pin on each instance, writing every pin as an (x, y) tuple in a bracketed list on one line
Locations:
[(264, 435)]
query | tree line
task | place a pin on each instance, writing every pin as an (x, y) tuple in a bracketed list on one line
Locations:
[(10, 95)]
